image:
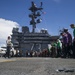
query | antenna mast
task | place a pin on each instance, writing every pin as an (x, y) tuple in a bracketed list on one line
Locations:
[(34, 15)]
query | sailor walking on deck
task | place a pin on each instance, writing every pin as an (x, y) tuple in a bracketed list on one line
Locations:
[(8, 43)]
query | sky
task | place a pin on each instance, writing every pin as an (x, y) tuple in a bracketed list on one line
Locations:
[(58, 14)]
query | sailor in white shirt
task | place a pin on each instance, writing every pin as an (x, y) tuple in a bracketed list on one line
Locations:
[(8, 43)]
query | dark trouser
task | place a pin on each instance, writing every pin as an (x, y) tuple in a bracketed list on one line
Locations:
[(53, 52), (65, 51), (8, 51), (74, 49), (69, 50), (58, 52), (48, 53)]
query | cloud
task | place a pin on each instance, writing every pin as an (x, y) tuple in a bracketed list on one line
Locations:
[(6, 27), (57, 1)]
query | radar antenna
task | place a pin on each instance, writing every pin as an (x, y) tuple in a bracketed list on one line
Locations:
[(34, 15)]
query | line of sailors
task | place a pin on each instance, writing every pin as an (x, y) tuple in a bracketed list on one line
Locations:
[(68, 44), (64, 47)]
